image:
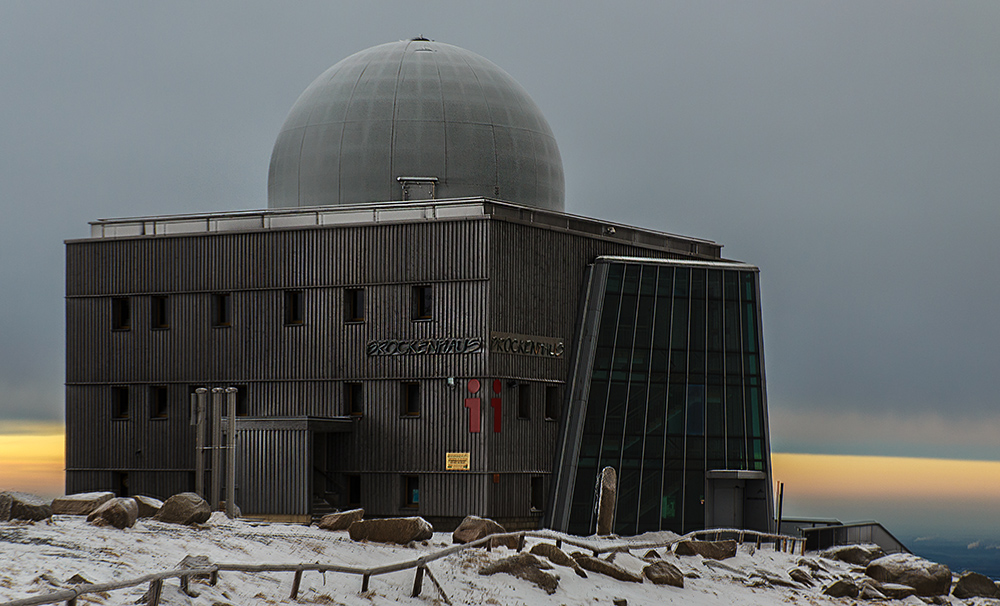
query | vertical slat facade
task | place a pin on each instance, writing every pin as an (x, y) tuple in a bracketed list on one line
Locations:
[(486, 274)]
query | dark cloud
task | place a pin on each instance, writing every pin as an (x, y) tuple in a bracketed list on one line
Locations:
[(849, 149)]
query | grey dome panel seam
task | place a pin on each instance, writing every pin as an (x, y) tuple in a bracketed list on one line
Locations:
[(493, 135), (340, 150), (392, 125)]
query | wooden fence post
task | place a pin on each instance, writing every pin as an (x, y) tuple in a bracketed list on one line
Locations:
[(418, 580), (295, 584), (364, 582), (155, 588), (520, 542)]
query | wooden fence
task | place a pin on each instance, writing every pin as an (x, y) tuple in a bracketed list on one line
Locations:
[(596, 546)]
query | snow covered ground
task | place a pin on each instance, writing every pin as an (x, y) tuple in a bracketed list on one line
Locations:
[(39, 558)]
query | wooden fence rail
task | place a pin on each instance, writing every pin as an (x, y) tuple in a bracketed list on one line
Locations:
[(596, 546)]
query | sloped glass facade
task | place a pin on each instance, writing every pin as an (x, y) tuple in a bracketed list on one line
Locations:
[(673, 386)]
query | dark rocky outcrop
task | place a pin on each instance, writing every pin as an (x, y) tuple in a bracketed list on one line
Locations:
[(184, 508), (841, 588), (120, 512), (391, 530), (801, 575), (664, 573), (148, 506), (925, 577), (894, 591), (975, 585), (557, 556), (859, 555), (23, 506), (341, 520), (607, 568), (713, 550), (525, 566), (81, 504), (474, 528)]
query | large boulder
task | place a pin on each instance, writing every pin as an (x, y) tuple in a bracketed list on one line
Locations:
[(184, 508), (607, 568), (148, 506), (341, 520), (525, 566), (925, 577), (474, 528), (24, 506), (80, 504), (975, 585), (120, 512), (841, 588), (859, 555), (712, 550), (391, 530), (557, 556), (801, 575), (664, 573)]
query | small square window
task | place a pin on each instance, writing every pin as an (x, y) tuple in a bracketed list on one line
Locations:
[(158, 402), (222, 310), (354, 305), (121, 315), (354, 399), (119, 402), (294, 307), (553, 397), (411, 399), (537, 493), (524, 401), (423, 300), (354, 489), (411, 491), (159, 312)]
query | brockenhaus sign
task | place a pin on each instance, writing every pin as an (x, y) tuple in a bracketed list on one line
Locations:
[(424, 347), (542, 347)]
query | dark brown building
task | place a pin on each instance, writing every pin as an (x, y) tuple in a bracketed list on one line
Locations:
[(438, 357)]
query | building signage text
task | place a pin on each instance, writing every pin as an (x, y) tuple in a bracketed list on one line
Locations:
[(456, 461), (424, 347), (542, 347)]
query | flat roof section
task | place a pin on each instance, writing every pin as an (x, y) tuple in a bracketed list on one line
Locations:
[(396, 212)]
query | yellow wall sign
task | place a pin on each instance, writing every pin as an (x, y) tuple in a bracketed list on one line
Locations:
[(456, 461)]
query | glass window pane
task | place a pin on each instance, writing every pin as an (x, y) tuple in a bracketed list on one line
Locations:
[(696, 410), (714, 326), (697, 336), (698, 283), (679, 325), (682, 278), (715, 284)]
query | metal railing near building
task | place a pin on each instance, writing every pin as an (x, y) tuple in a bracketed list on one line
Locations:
[(597, 547), (855, 533)]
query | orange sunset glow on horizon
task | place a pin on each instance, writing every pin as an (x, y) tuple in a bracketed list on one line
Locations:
[(32, 460)]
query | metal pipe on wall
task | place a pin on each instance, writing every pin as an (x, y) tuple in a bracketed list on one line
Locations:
[(216, 446), (231, 458), (200, 400)]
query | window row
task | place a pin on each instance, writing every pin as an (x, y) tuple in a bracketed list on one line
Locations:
[(293, 308), (159, 404), (410, 401)]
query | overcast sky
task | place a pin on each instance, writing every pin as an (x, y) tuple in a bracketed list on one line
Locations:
[(849, 149)]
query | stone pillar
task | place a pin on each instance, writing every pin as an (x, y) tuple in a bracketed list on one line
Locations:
[(607, 495)]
